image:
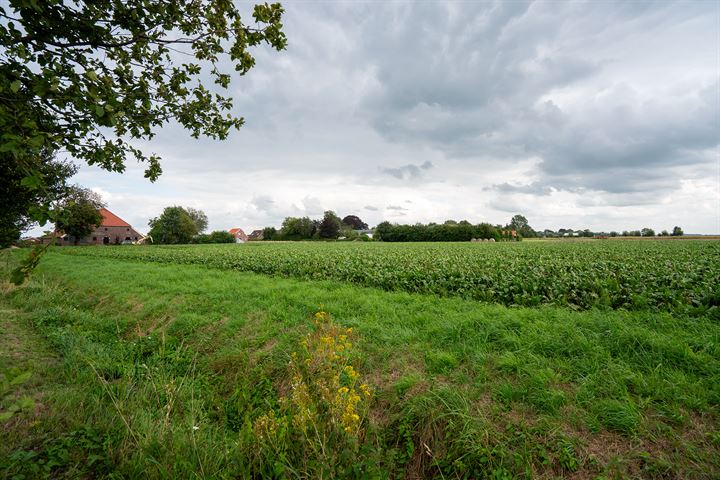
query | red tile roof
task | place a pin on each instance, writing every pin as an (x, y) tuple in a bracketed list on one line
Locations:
[(112, 220), (238, 233)]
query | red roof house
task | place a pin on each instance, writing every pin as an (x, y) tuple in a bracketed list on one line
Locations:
[(111, 220), (112, 230), (239, 234)]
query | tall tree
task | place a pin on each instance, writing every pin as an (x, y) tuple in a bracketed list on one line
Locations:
[(269, 233), (647, 232), (173, 226), (355, 222), (520, 224), (330, 225), (677, 232), (18, 201), (298, 228), (383, 230), (199, 217), (79, 214)]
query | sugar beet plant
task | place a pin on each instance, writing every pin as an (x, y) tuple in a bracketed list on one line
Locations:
[(678, 276)]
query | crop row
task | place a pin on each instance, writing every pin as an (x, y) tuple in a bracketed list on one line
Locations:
[(661, 275)]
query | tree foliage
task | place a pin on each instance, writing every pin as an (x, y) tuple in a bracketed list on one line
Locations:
[(91, 78), (520, 224), (217, 236), (199, 217), (79, 214), (270, 233), (18, 201), (447, 232), (298, 228), (677, 232), (330, 226), (173, 226), (355, 222), (88, 76)]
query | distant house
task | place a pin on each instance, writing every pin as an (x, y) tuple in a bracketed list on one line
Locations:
[(256, 235), (112, 231), (239, 234)]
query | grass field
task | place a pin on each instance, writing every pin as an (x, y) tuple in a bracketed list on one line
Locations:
[(145, 363)]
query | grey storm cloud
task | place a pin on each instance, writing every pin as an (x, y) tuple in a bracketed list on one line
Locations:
[(371, 208), (488, 88), (407, 172), (395, 207)]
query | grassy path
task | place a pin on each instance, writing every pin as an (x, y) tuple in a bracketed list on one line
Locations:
[(166, 368), (28, 372)]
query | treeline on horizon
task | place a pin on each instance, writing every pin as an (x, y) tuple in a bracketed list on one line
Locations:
[(331, 227), (353, 228), (449, 231)]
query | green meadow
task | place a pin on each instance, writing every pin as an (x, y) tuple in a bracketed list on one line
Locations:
[(329, 360)]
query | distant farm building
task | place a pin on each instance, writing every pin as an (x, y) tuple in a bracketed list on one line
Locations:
[(239, 234), (112, 231), (256, 235)]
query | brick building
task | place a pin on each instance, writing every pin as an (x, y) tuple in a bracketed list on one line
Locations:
[(112, 231)]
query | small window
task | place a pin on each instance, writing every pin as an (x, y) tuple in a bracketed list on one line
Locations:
[(127, 229), (127, 238), (106, 229), (94, 239), (135, 238)]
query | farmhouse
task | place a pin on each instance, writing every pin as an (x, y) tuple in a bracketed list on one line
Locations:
[(256, 235), (239, 234), (112, 230)]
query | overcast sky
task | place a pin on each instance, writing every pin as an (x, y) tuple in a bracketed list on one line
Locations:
[(601, 115)]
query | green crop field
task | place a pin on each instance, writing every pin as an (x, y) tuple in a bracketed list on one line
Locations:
[(596, 359), (660, 275)]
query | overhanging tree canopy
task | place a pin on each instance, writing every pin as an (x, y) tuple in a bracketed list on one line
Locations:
[(88, 77)]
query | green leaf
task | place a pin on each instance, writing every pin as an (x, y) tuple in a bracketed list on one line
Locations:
[(32, 182), (22, 378), (99, 110), (5, 416), (15, 86), (26, 403)]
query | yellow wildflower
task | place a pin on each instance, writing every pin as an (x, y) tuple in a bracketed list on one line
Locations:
[(350, 371), (365, 388)]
